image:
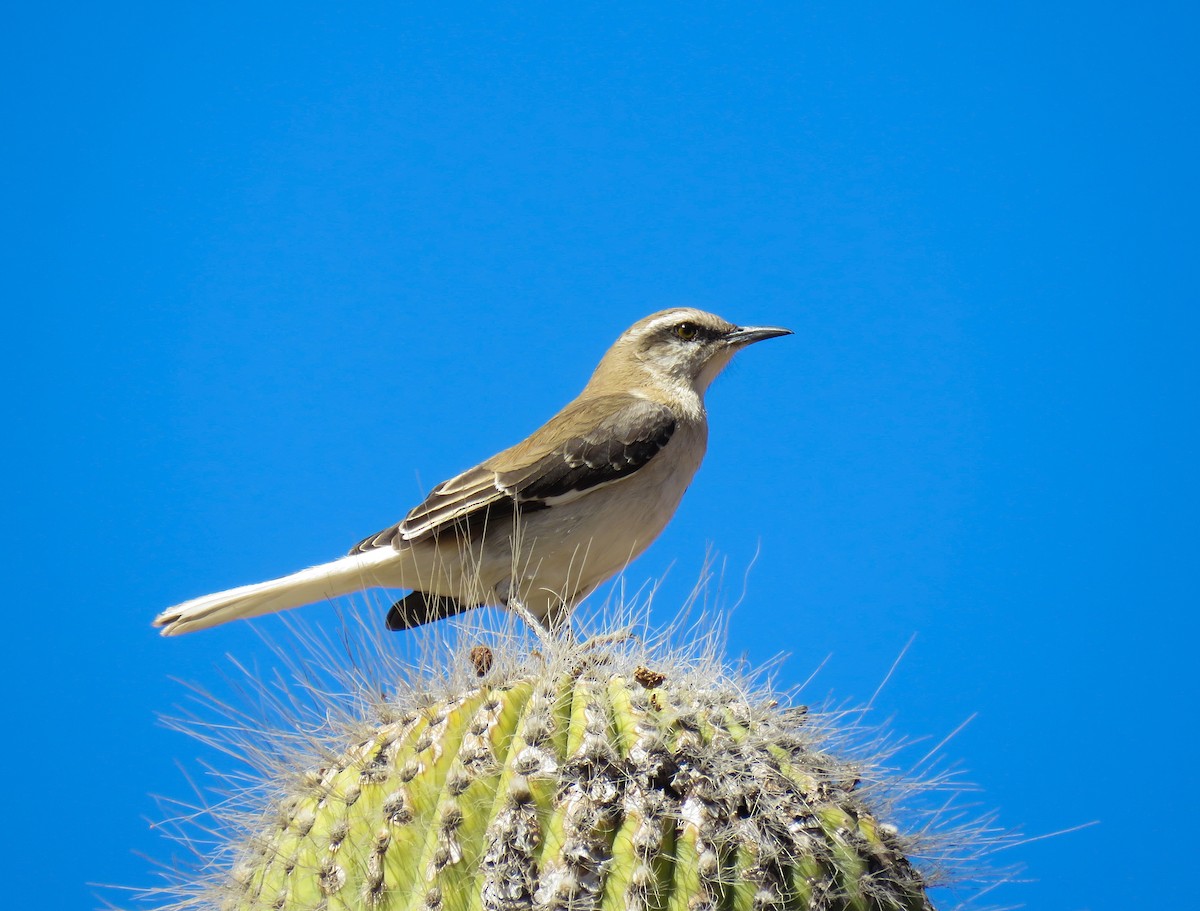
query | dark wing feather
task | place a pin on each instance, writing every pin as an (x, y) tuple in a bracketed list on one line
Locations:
[(624, 433), (625, 438)]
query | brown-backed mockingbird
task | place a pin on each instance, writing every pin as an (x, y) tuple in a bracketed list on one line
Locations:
[(538, 526)]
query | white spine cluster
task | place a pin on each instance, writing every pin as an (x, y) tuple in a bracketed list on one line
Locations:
[(548, 776)]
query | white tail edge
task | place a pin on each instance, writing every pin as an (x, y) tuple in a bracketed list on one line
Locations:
[(318, 583)]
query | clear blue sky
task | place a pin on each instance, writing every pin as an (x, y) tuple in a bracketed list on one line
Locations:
[(271, 270)]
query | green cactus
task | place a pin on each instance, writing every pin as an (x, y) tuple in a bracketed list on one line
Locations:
[(582, 779)]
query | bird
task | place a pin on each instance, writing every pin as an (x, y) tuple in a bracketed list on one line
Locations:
[(539, 526)]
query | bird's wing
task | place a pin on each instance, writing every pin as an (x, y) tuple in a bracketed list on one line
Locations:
[(624, 432)]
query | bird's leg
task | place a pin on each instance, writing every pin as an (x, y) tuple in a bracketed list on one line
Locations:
[(512, 602), (558, 621)]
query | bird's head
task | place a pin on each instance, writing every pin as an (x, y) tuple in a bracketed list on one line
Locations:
[(679, 349)]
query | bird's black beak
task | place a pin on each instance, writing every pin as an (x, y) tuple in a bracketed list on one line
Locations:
[(748, 335)]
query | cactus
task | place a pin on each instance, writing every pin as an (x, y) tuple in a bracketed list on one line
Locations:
[(569, 778)]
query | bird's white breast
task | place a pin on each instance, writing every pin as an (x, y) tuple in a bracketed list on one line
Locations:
[(568, 551)]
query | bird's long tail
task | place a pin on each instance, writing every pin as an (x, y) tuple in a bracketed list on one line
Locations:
[(340, 577)]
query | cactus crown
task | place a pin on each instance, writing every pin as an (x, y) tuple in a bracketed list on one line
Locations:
[(614, 777)]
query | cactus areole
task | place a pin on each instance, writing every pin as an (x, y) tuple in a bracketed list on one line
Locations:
[(581, 790)]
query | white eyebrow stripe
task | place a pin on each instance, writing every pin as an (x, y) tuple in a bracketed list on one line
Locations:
[(669, 318)]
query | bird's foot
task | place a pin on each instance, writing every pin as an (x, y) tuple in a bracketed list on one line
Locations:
[(624, 634), (592, 652)]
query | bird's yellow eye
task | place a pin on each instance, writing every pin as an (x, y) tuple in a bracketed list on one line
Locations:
[(687, 331)]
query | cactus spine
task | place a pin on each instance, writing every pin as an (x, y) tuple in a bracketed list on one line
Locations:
[(593, 786)]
